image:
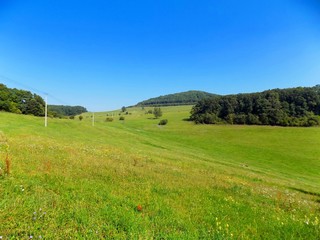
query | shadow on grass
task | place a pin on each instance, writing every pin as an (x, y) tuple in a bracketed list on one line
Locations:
[(306, 192), (153, 145), (187, 120)]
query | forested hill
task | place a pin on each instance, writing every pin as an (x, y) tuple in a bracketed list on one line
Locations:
[(61, 110), (20, 101), (183, 98), (285, 107)]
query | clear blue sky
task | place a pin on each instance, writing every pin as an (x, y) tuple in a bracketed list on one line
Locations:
[(107, 54)]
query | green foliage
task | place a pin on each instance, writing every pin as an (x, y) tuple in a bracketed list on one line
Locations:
[(61, 110), (80, 117), (149, 111), (284, 107), (208, 118), (157, 112), (163, 122), (184, 98), (109, 119), (123, 109), (20, 101), (121, 118)]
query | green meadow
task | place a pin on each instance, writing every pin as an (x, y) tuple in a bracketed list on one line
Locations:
[(134, 179)]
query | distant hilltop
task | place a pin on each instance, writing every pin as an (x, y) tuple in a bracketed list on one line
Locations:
[(183, 98)]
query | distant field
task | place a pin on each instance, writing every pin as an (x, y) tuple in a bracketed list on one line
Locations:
[(73, 180)]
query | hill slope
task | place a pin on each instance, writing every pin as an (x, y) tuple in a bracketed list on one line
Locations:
[(183, 98), (72, 180)]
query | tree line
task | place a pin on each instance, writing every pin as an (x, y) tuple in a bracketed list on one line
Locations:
[(62, 110), (21, 101), (24, 102), (284, 107), (176, 99)]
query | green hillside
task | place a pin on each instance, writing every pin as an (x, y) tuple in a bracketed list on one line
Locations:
[(134, 179), (176, 99)]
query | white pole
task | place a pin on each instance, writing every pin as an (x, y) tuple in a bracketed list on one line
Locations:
[(92, 119), (46, 113)]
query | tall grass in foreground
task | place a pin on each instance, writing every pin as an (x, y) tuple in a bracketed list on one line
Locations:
[(133, 179)]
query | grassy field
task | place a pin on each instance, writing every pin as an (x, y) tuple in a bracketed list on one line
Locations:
[(134, 179)]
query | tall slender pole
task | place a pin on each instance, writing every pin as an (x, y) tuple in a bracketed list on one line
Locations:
[(92, 119), (46, 113)]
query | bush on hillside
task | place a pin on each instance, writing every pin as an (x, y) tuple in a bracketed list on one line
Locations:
[(157, 112), (109, 119), (163, 122)]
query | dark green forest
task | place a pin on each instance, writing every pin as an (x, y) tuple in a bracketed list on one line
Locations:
[(184, 98), (284, 107), (21, 101), (61, 110), (24, 102)]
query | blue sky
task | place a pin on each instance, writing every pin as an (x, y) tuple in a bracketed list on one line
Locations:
[(108, 54)]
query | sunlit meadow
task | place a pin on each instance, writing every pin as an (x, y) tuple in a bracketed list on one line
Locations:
[(135, 179)]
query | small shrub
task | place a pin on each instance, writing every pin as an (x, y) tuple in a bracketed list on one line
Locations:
[(163, 122), (121, 118), (80, 118), (109, 119), (157, 112)]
